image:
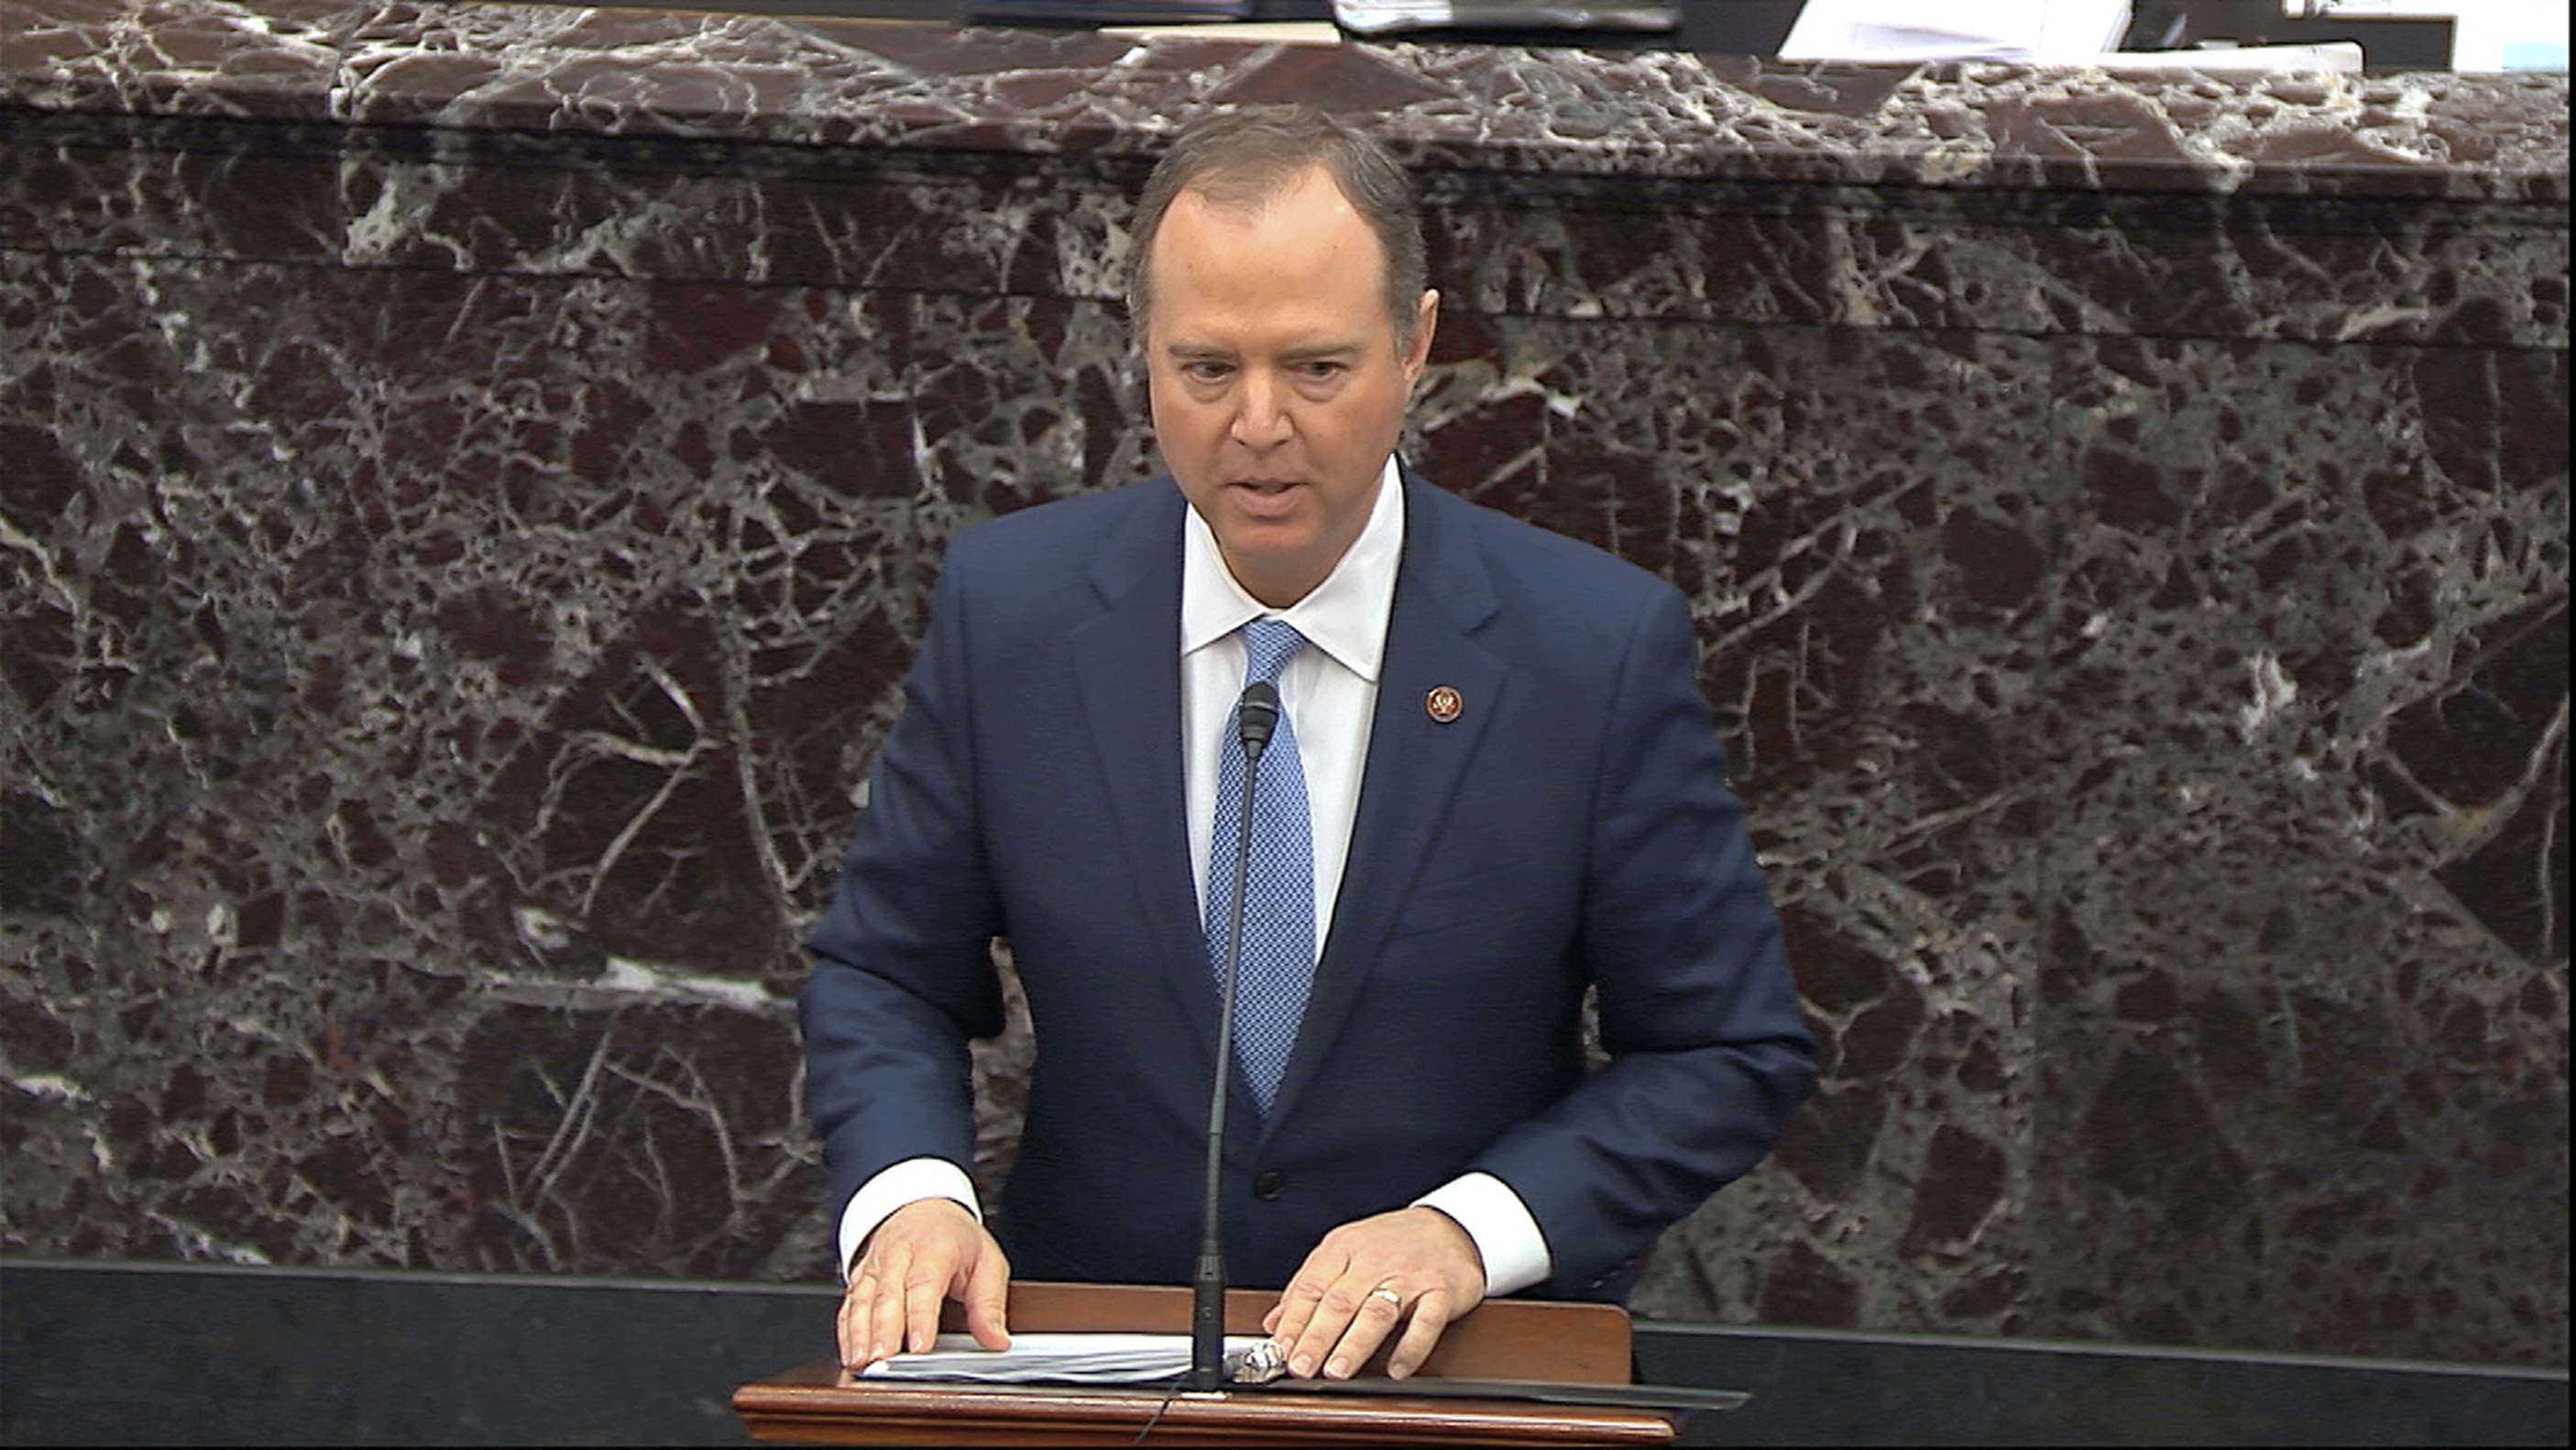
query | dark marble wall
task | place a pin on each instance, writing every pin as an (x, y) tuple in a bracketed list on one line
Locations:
[(470, 476)]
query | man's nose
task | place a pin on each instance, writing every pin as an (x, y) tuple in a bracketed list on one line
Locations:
[(1261, 413)]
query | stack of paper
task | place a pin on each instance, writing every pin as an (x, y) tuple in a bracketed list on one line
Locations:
[(1079, 1359)]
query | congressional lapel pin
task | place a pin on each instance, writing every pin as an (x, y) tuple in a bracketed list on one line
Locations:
[(1444, 705)]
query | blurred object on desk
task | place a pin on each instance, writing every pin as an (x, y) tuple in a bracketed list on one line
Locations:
[(1378, 17), (1105, 12), (2392, 34)]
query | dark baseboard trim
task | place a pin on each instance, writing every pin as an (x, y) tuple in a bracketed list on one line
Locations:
[(1832, 1387), (179, 1354)]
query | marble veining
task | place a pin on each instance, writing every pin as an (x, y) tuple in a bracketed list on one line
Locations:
[(1631, 114), (470, 475)]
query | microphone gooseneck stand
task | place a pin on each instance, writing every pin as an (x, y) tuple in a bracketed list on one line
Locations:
[(1257, 716)]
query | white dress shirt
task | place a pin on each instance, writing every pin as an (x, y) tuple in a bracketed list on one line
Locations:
[(1330, 693)]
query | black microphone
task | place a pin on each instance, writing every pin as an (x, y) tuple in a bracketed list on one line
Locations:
[(1256, 716), (1257, 719)]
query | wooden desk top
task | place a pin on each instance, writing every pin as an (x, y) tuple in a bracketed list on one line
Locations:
[(821, 1404)]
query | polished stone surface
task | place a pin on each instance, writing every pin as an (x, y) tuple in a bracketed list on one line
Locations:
[(472, 474)]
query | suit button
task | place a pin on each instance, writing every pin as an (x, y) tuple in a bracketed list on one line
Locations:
[(1268, 1186)]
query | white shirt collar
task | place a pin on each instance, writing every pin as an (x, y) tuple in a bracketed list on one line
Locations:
[(1345, 616)]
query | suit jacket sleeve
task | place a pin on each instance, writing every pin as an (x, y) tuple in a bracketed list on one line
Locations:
[(1697, 1007), (903, 972)]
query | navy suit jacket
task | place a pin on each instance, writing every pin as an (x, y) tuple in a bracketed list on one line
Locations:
[(1570, 829)]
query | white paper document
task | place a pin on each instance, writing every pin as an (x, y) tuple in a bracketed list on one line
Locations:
[(2330, 55), (2045, 31), (1092, 1359)]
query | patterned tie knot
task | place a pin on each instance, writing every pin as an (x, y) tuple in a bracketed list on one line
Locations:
[(1268, 646)]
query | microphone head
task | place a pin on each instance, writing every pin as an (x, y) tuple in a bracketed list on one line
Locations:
[(1257, 715)]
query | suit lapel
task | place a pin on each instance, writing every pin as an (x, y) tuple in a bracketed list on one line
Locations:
[(1416, 765), (1127, 663)]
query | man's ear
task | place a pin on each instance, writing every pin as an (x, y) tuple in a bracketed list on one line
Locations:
[(1426, 320)]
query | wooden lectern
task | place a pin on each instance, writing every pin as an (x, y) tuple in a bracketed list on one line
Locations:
[(1503, 1339)]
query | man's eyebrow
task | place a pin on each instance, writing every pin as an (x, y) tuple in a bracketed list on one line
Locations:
[(1312, 352)]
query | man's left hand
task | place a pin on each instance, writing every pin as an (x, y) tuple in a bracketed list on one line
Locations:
[(1415, 1267)]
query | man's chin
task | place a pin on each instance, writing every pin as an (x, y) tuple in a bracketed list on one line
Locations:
[(1267, 551), (1276, 566), (1265, 525)]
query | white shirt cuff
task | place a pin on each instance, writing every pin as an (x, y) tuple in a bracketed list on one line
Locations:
[(905, 1182), (1514, 1250)]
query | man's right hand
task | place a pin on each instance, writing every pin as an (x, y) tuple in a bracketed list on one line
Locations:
[(926, 1252)]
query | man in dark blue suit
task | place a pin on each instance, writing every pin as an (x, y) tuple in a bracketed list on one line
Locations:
[(1505, 791)]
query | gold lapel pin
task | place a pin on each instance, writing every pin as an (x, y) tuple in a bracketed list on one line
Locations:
[(1443, 704)]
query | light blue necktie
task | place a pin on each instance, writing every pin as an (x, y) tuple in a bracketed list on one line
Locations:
[(1279, 885)]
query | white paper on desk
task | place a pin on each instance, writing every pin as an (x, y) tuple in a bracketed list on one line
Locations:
[(1093, 1359), (2009, 30), (2331, 55), (1375, 17)]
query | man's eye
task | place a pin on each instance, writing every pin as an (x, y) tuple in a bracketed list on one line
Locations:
[(1207, 372)]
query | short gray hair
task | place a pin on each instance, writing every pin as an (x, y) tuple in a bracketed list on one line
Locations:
[(1246, 156)]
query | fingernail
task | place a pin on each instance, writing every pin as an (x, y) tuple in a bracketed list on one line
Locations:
[(1339, 1369)]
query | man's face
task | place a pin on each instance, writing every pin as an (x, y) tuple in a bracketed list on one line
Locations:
[(1278, 391)]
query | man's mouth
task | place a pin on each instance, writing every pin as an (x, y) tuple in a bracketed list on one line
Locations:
[(1266, 500)]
